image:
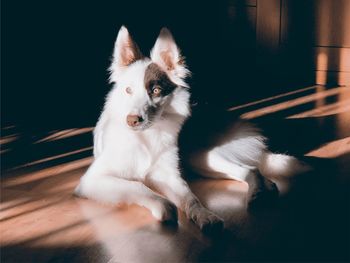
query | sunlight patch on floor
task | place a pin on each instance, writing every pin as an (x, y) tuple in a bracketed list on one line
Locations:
[(62, 134), (333, 149), (292, 103), (54, 157), (45, 173)]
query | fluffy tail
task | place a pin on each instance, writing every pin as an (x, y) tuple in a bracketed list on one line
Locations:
[(282, 165)]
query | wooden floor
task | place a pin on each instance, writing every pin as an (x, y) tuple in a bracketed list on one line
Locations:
[(42, 222)]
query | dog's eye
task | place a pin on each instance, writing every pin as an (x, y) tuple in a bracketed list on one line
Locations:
[(156, 90), (128, 90)]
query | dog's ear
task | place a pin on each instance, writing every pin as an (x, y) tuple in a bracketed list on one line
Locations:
[(166, 54), (125, 52)]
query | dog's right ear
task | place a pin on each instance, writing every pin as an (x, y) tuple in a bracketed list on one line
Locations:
[(125, 53), (167, 56)]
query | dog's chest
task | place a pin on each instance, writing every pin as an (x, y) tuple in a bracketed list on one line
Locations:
[(157, 142), (134, 155)]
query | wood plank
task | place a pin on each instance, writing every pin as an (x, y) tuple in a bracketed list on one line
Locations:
[(332, 77), (268, 25), (316, 23), (332, 59), (332, 20)]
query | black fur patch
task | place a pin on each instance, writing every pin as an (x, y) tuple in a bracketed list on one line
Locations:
[(155, 76)]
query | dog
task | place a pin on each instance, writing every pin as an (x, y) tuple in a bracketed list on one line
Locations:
[(144, 121)]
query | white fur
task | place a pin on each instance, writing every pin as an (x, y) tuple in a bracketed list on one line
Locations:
[(165, 44), (281, 165), (129, 163)]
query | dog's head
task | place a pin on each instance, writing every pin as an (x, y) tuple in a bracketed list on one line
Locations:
[(145, 86)]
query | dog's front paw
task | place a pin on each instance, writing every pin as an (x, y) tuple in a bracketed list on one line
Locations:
[(164, 211), (206, 220)]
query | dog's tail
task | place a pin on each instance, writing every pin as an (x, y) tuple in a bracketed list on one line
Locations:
[(276, 165)]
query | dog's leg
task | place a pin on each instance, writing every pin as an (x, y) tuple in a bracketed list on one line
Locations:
[(166, 178), (213, 164), (100, 185), (261, 192)]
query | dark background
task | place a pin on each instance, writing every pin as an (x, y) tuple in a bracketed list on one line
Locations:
[(55, 55)]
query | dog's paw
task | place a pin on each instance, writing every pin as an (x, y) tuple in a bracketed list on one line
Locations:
[(165, 211), (263, 198), (206, 220)]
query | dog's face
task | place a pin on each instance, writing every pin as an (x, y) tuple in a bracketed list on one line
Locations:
[(145, 86)]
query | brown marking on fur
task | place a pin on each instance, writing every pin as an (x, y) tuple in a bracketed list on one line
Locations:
[(156, 77)]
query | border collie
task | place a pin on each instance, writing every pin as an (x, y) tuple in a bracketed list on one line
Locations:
[(143, 123)]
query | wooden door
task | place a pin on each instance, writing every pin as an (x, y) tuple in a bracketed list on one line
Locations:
[(304, 41)]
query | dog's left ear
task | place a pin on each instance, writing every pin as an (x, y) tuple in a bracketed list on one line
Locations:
[(166, 54), (125, 53)]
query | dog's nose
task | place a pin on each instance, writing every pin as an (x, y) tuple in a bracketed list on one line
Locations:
[(134, 120)]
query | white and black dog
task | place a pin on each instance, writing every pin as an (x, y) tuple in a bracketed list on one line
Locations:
[(136, 140)]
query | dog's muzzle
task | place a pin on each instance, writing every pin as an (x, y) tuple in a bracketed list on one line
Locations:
[(134, 120)]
